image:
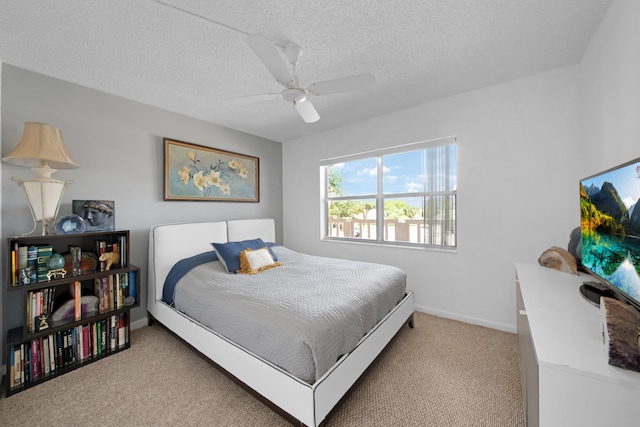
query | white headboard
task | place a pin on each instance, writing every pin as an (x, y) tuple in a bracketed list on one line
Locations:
[(169, 243), (246, 229)]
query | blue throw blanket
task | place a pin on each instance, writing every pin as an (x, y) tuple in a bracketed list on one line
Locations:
[(181, 268)]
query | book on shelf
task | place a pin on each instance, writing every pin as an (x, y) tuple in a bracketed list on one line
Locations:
[(32, 263), (113, 329), (94, 340), (14, 268), (122, 242), (43, 357), (39, 307), (101, 248), (44, 253), (52, 353), (123, 337), (12, 373), (29, 264), (77, 297), (18, 263), (75, 253), (132, 284), (34, 367), (22, 258), (103, 336)]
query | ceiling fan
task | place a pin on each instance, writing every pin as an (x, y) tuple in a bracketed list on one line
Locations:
[(273, 57)]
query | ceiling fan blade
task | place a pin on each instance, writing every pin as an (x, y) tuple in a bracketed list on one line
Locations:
[(250, 99), (343, 84), (307, 111), (270, 56)]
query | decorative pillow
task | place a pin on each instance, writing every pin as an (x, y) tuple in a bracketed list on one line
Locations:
[(229, 253), (252, 261)]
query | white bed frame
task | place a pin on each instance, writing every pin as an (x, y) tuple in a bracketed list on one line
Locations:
[(298, 401)]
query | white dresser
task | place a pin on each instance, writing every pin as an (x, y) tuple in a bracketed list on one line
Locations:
[(566, 378)]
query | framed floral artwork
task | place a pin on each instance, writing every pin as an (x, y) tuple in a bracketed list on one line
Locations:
[(196, 172)]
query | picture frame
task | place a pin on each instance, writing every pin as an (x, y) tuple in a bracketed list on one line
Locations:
[(195, 172)]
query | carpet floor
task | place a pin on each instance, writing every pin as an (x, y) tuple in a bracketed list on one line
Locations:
[(441, 373)]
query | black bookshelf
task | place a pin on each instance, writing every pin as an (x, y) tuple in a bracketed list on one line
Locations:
[(71, 317)]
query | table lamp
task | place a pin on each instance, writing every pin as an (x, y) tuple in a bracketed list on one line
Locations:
[(42, 149)]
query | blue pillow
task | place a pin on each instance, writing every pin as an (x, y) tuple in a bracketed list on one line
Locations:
[(229, 253)]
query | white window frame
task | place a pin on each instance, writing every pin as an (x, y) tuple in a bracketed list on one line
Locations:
[(379, 196)]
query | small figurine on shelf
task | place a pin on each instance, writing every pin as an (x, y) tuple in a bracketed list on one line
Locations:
[(55, 264), (109, 258), (43, 322), (25, 275)]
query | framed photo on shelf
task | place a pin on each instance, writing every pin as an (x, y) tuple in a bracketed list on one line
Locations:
[(98, 215), (195, 172)]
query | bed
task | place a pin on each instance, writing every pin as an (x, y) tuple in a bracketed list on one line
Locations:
[(303, 397)]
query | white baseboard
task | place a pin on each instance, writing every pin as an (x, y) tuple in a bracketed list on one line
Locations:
[(467, 319)]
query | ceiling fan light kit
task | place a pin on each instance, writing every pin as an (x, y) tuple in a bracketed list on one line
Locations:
[(273, 57), (294, 94)]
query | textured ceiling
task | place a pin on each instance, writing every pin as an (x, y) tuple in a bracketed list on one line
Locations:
[(191, 56)]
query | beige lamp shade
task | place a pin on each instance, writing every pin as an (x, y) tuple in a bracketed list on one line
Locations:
[(41, 144), (42, 149)]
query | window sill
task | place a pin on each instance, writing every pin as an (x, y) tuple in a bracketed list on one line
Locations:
[(399, 245)]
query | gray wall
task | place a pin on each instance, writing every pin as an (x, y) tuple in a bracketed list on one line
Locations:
[(118, 144)]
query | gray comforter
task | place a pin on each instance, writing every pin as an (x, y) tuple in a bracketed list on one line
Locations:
[(301, 316)]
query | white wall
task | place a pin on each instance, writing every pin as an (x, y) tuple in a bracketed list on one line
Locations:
[(118, 144), (517, 190), (611, 89), (523, 146)]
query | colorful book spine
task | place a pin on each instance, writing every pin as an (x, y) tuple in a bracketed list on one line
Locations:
[(132, 284), (44, 253), (101, 248), (15, 280), (52, 353), (77, 296), (32, 263), (123, 339)]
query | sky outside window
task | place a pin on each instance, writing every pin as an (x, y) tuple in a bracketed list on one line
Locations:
[(403, 172), (358, 177)]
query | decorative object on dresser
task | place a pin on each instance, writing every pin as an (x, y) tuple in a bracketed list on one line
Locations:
[(560, 259), (620, 329), (42, 149), (71, 319), (195, 172)]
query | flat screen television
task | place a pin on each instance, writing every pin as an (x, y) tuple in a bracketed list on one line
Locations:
[(610, 233)]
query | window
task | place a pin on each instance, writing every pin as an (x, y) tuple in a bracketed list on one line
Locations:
[(401, 195)]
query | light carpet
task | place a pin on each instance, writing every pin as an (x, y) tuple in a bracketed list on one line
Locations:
[(441, 373)]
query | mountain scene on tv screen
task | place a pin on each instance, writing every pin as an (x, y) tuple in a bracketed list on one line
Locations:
[(610, 226)]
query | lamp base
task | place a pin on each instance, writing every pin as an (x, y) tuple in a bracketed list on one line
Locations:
[(44, 195), (48, 228)]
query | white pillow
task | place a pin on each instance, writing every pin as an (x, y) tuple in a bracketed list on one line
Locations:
[(258, 258), (254, 260)]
